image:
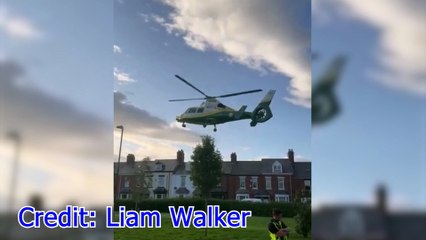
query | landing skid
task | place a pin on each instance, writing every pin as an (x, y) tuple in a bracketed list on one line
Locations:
[(204, 125)]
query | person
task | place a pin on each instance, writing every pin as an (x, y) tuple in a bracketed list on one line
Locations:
[(277, 229)]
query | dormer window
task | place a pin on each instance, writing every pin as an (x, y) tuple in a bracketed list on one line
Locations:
[(277, 167), (158, 167)]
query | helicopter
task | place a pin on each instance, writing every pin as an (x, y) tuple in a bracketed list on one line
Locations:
[(212, 112)]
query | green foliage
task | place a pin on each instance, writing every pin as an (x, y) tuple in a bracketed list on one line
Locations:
[(303, 217), (258, 209), (206, 166), (141, 190)]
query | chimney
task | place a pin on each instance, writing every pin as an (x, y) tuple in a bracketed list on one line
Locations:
[(381, 198), (233, 157), (130, 160), (290, 155), (180, 157), (36, 201)]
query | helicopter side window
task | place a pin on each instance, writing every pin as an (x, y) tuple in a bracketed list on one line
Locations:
[(200, 110), (191, 110), (220, 105)]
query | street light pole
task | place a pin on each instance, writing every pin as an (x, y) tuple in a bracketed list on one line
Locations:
[(118, 165), (13, 135), (16, 137)]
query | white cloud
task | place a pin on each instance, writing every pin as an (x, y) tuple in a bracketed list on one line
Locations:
[(122, 77), (402, 38), (117, 49), (158, 19), (264, 37), (146, 18), (148, 135), (17, 27), (61, 144)]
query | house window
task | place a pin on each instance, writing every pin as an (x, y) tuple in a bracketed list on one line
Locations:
[(254, 183), (182, 181), (242, 182), (159, 196), (268, 184), (307, 185), (161, 180), (281, 185), (219, 184), (125, 196), (277, 167), (242, 196), (126, 182), (158, 167), (282, 198)]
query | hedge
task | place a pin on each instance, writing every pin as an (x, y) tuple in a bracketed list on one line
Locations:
[(162, 205)]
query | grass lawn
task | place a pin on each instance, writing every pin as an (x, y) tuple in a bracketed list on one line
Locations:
[(256, 230)]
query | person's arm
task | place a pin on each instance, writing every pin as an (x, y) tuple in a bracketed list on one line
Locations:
[(284, 228), (272, 228), (278, 232)]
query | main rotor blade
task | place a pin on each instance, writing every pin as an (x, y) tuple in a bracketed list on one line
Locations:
[(198, 90), (186, 99), (238, 93)]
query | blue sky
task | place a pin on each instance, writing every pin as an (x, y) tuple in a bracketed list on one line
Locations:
[(59, 100), (59, 46), (150, 55), (380, 135)]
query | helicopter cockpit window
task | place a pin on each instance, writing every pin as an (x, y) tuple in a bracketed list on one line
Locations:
[(191, 110), (200, 110), (220, 105)]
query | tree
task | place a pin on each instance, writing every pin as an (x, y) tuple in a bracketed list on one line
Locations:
[(206, 168), (142, 182), (303, 217)]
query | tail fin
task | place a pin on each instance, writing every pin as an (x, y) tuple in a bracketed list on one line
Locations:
[(333, 72), (324, 101), (240, 112), (262, 112)]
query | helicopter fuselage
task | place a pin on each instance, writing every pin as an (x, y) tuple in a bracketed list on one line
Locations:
[(212, 112), (213, 117)]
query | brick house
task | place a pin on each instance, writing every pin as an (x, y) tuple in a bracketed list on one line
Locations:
[(159, 176), (270, 179)]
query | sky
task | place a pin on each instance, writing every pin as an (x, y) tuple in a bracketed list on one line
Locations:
[(56, 93), (220, 47), (379, 137), (59, 73)]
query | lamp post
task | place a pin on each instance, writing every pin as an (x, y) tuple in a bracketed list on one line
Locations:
[(14, 136), (118, 165)]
